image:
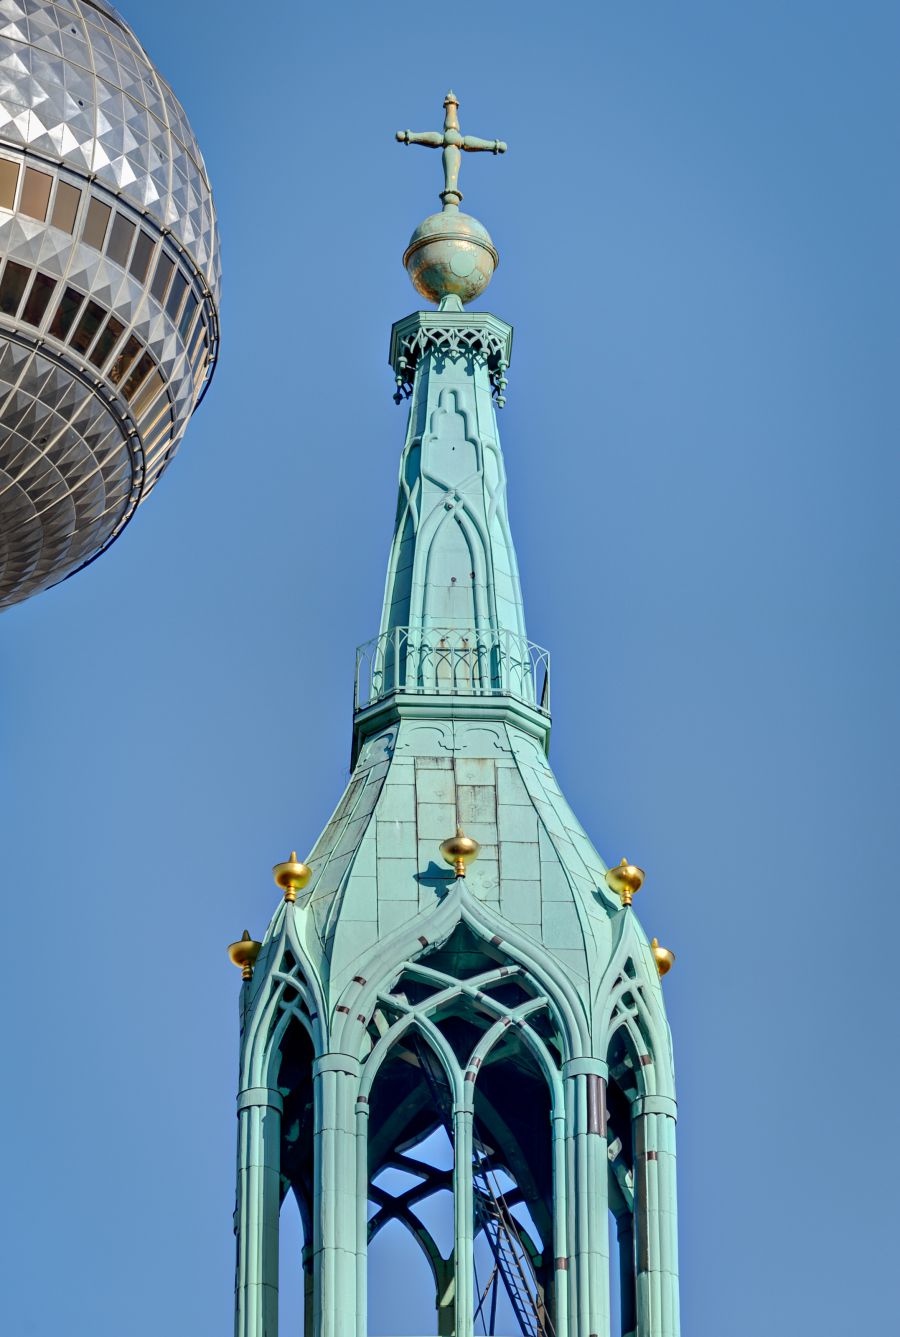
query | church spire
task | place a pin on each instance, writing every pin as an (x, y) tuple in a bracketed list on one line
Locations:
[(510, 1004), (453, 622)]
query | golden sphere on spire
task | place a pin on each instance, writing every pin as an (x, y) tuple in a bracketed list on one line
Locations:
[(243, 954), (291, 876), (460, 850), (625, 879), (663, 957)]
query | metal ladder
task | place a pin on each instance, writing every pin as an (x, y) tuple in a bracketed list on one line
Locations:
[(513, 1262)]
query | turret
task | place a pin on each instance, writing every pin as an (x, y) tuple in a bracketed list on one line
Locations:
[(457, 959)]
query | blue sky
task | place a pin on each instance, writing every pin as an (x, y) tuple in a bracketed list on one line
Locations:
[(697, 220)]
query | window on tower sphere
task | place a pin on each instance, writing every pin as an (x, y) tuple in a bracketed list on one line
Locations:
[(39, 298), (87, 327), (140, 260), (120, 239), (96, 224), (65, 206), (35, 193), (107, 340), (66, 312), (12, 287), (164, 267), (9, 180)]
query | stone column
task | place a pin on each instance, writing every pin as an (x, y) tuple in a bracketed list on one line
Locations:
[(464, 1212), (588, 1231), (656, 1217), (257, 1211), (560, 1248), (335, 1225)]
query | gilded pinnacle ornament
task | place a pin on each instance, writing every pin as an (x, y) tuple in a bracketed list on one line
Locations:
[(664, 959), (459, 851), (625, 879), (243, 954), (450, 255), (291, 876)]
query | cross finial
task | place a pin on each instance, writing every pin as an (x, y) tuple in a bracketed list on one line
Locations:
[(451, 141)]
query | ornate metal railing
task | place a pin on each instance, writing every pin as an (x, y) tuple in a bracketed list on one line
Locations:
[(452, 662)]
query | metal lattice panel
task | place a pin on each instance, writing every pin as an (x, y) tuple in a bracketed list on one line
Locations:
[(109, 266)]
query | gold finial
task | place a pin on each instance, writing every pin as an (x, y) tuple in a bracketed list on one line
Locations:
[(663, 957), (460, 850), (625, 879), (244, 954), (292, 876)]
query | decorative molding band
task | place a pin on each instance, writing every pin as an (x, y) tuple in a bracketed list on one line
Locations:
[(477, 335), (260, 1095), (336, 1063), (654, 1105)]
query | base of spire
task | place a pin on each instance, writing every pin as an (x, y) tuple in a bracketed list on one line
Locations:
[(448, 709)]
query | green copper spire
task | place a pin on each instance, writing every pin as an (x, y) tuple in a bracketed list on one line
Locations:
[(405, 985)]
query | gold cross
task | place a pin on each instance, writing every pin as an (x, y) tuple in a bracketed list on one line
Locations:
[(451, 141)]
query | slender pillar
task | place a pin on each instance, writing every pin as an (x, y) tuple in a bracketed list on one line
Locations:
[(362, 1224), (336, 1084), (464, 1213), (560, 1246), (656, 1218), (589, 1232), (256, 1217)]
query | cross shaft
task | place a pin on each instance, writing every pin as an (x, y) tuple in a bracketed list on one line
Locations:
[(452, 142)]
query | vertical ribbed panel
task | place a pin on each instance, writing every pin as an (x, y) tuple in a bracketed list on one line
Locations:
[(258, 1202), (656, 1220)]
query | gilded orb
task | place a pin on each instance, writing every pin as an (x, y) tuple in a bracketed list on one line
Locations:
[(450, 253), (664, 959)]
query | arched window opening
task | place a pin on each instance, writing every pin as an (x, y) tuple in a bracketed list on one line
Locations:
[(513, 1181), (294, 1081), (401, 1285), (411, 1219)]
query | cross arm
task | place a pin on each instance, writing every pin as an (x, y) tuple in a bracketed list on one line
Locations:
[(472, 144), (431, 138)]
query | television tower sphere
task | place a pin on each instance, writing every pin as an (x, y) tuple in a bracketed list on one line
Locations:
[(109, 285)]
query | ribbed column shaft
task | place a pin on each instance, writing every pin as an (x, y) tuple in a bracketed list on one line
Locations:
[(335, 1205), (256, 1223), (656, 1225), (588, 1229), (464, 1219)]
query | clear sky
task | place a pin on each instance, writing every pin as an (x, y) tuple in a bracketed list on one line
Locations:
[(698, 221)]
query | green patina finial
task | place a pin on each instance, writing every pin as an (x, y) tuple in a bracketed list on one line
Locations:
[(451, 253), (451, 141)]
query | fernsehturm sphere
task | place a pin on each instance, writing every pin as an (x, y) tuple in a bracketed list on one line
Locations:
[(109, 284)]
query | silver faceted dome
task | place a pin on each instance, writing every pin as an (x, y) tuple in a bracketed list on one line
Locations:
[(109, 284)]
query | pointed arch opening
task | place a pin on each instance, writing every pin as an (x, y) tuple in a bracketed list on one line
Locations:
[(410, 1230), (623, 1086), (466, 1050), (514, 1191), (294, 1082)]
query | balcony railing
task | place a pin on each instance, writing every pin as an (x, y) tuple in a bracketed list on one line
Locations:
[(452, 662)]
